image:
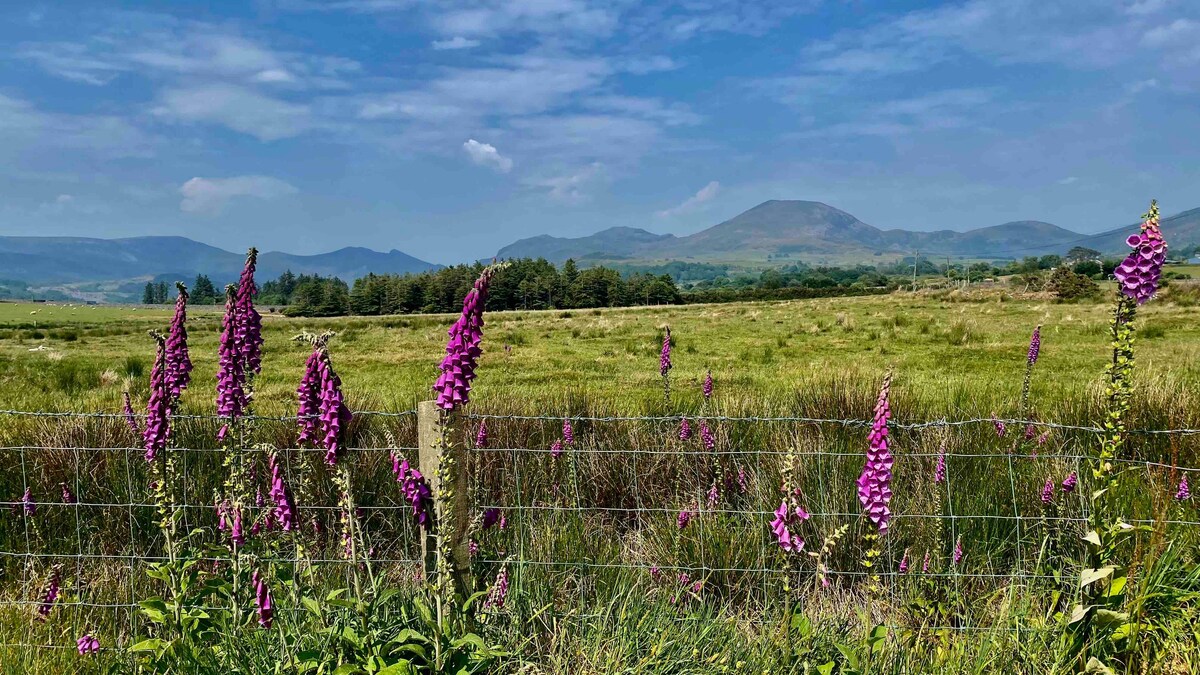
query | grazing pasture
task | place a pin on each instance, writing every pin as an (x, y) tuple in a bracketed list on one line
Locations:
[(627, 545)]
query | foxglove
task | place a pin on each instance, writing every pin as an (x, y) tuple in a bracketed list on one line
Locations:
[(499, 592), (1139, 273), (874, 483), (1048, 492), (706, 436), (179, 363), (481, 438), (130, 416), (453, 386), (685, 430), (285, 505), (262, 600), (50, 593), (87, 644), (787, 517), (707, 387), (1068, 484), (416, 491), (1035, 345), (158, 409), (1183, 493), (568, 433)]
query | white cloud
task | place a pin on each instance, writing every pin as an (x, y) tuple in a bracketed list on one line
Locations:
[(484, 154), (574, 187), (457, 42), (210, 195), (702, 196), (1068, 180), (239, 108)]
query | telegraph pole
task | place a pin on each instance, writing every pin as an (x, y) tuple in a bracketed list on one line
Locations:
[(916, 258)]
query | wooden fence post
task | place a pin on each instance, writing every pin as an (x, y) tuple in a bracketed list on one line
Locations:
[(443, 462)]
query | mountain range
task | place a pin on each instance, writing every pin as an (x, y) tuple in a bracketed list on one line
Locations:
[(66, 262), (778, 230), (816, 232)]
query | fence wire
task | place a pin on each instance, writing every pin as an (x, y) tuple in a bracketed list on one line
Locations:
[(627, 504)]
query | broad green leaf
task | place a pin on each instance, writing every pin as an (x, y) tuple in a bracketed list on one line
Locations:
[(1090, 576)]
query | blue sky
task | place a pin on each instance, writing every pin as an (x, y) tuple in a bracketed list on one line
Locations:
[(448, 129)]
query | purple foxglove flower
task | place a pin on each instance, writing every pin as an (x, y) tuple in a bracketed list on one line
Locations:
[(453, 385), (179, 364), (707, 387), (1041, 439), (904, 562), (158, 409), (490, 518), (1183, 493), (714, 495), (308, 411), (706, 436), (503, 524), (568, 433), (958, 550), (249, 331), (685, 430), (222, 509), (925, 564), (556, 449), (1035, 345), (743, 480), (664, 358), (685, 517), (262, 600), (1030, 432), (874, 483), (999, 424), (1048, 492), (231, 367), (1138, 275), (939, 471), (335, 415), (481, 438), (50, 593), (285, 505), (1068, 484), (697, 587), (130, 416), (68, 497), (416, 491), (27, 503), (473, 548), (684, 579), (87, 644), (499, 592), (656, 574), (785, 518), (236, 535)]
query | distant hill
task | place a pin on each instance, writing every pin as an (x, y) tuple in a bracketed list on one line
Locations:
[(60, 262), (806, 230), (613, 243)]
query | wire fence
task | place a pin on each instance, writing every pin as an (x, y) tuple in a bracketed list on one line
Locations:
[(581, 515)]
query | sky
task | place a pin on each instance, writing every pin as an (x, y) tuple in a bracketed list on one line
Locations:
[(449, 128)]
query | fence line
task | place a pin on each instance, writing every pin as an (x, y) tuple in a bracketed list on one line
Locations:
[(597, 488)]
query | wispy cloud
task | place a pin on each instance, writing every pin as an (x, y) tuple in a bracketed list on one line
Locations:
[(456, 42), (210, 195), (487, 155), (573, 187), (702, 196), (239, 108)]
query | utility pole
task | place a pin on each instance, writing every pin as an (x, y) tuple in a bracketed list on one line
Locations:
[(916, 258)]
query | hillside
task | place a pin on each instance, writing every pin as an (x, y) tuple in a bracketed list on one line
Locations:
[(60, 262), (817, 232)]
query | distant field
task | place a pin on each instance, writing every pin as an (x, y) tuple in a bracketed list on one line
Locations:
[(954, 356)]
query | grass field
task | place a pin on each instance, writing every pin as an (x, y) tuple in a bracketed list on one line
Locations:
[(586, 531)]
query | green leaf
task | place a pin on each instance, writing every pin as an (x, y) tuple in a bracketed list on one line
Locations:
[(347, 669), (1107, 618), (1090, 576), (1095, 667), (398, 668), (150, 645), (1092, 538), (825, 668)]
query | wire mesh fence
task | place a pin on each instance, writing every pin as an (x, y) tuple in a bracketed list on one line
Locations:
[(582, 514)]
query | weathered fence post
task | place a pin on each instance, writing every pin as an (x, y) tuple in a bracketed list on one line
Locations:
[(443, 462)]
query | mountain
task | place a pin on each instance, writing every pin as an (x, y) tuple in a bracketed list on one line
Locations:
[(615, 242), (1181, 229), (816, 232), (48, 261)]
